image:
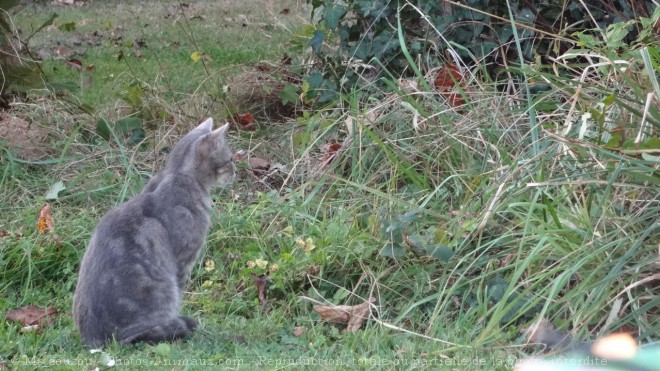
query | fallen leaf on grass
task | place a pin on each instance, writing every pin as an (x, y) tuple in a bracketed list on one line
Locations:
[(74, 63), (55, 190), (447, 78), (298, 331), (257, 163), (353, 315), (262, 282), (3, 233), (196, 56), (330, 151), (45, 223), (245, 121), (32, 318)]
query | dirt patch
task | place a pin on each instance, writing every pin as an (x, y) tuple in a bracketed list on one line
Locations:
[(258, 91), (25, 140)]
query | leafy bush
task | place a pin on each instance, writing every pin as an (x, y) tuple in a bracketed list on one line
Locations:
[(357, 39)]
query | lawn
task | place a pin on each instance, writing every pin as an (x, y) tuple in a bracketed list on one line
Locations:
[(463, 230)]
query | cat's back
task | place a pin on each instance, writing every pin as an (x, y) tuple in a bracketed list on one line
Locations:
[(172, 206)]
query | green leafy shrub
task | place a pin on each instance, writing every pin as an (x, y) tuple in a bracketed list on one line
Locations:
[(358, 39)]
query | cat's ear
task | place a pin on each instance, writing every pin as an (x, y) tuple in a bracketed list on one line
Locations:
[(219, 132), (205, 126)]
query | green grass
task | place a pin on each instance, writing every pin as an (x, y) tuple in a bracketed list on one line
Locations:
[(463, 231), (153, 42)]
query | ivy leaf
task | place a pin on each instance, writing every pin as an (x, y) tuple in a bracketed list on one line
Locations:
[(120, 127), (412, 216), (315, 80), (127, 125), (289, 94), (316, 41), (441, 251), (332, 16), (392, 251), (137, 136), (328, 91)]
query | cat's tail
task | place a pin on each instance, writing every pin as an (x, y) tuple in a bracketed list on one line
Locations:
[(169, 330)]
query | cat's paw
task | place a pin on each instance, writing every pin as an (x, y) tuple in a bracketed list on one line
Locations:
[(190, 323)]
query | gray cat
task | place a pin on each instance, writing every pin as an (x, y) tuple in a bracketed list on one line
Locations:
[(141, 253)]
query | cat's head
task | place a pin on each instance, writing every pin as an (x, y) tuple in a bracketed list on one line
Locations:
[(205, 153)]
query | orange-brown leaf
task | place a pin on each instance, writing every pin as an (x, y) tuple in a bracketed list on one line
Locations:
[(32, 315), (298, 331), (245, 121), (446, 80), (330, 150), (74, 63), (352, 315), (448, 77), (45, 223), (261, 281)]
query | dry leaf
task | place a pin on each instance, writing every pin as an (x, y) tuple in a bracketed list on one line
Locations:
[(353, 315), (245, 121), (45, 223), (196, 56), (32, 316), (447, 78), (76, 64), (3, 233), (330, 151), (257, 163), (262, 282), (298, 331)]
